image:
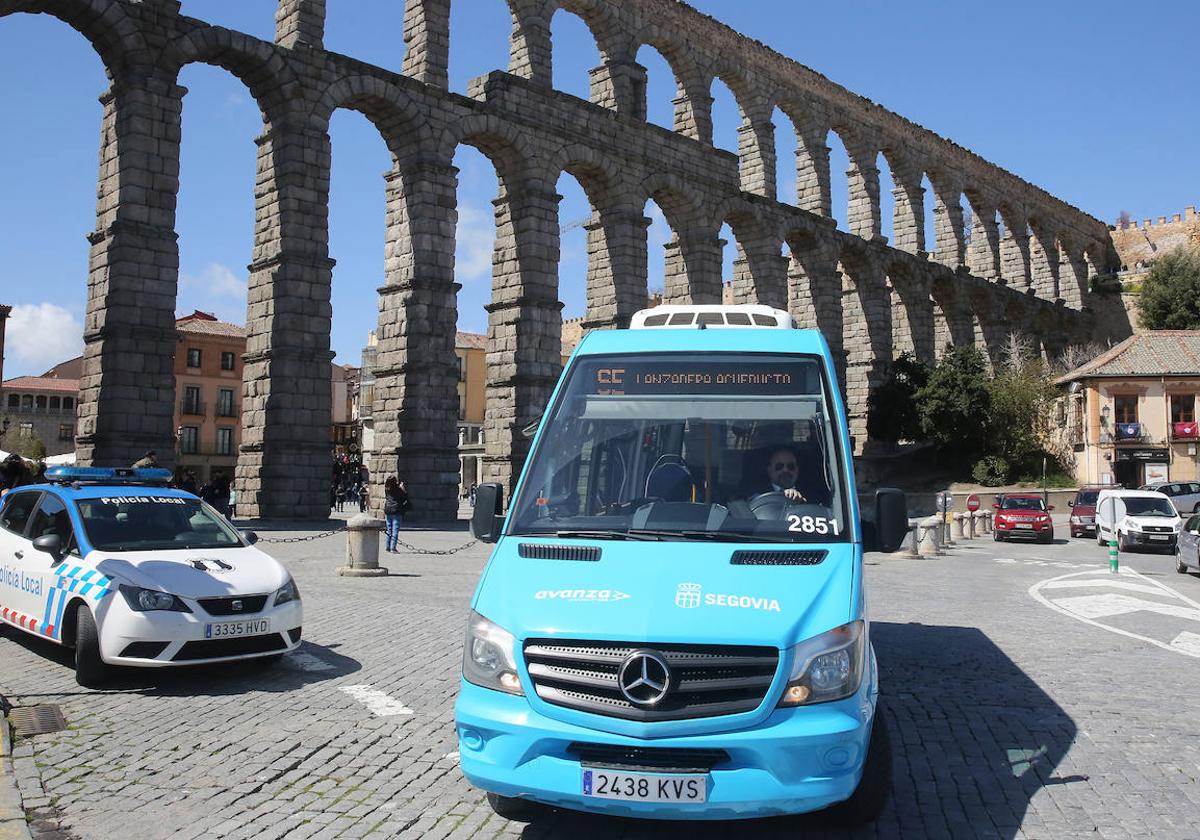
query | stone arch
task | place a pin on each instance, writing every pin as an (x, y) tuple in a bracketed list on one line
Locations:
[(114, 36), (811, 166), (259, 66), (692, 271), (866, 330), (908, 200), (600, 20), (1014, 247), (507, 148), (983, 250), (693, 103), (1043, 259), (912, 315), (759, 268), (568, 23), (1072, 271), (949, 248), (388, 108)]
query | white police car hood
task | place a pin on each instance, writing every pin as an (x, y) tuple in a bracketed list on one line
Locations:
[(194, 573)]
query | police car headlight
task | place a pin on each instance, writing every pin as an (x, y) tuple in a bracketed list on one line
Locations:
[(145, 600), (288, 592), (488, 658), (827, 667)]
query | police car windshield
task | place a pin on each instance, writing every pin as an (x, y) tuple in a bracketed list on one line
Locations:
[(690, 446), (152, 523)]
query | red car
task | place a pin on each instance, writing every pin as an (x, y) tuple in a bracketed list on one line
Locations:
[(1023, 516), (1083, 510)]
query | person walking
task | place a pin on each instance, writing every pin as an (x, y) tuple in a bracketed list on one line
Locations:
[(362, 497), (395, 502)]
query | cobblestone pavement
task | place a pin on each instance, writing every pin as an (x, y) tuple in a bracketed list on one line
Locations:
[(1017, 709)]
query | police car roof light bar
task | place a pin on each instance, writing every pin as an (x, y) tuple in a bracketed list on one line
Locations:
[(108, 475)]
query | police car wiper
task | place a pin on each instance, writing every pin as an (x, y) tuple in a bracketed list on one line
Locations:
[(607, 535)]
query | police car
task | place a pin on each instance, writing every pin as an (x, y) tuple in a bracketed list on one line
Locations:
[(127, 571)]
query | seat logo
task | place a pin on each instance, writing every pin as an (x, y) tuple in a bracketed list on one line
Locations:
[(644, 678), (687, 595)]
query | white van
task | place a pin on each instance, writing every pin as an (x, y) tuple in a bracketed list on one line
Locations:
[(1142, 518)]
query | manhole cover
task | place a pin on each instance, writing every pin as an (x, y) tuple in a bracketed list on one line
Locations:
[(37, 720)]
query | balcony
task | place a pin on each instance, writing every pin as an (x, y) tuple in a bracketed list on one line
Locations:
[(1185, 431), (227, 410), (191, 408), (1130, 433)]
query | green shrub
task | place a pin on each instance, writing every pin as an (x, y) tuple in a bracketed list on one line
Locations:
[(990, 471)]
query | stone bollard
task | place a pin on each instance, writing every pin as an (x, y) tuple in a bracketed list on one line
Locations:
[(931, 536), (958, 526), (362, 547), (971, 523), (987, 522), (915, 528)]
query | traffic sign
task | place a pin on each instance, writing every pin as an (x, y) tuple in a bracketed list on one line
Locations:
[(944, 500), (973, 502)]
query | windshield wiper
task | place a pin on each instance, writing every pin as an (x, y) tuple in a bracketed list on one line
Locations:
[(711, 536), (602, 535)]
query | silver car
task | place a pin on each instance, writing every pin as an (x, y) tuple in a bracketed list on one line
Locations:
[(1184, 495), (1187, 550)]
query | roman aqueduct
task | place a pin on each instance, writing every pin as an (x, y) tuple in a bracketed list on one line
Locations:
[(1023, 264)]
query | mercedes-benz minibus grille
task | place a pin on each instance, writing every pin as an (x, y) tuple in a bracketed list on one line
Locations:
[(705, 680)]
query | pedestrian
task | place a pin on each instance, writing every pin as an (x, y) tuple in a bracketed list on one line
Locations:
[(216, 493), (14, 473), (341, 496), (188, 483), (395, 501), (150, 459), (474, 487), (362, 497)]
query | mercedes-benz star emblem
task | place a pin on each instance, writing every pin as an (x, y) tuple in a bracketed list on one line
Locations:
[(644, 678)]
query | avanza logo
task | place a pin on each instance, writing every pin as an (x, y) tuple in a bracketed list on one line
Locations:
[(599, 596)]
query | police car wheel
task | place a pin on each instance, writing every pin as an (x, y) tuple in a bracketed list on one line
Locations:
[(516, 809), (90, 670), (875, 787)]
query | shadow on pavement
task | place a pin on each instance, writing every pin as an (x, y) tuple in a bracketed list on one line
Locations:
[(973, 739)]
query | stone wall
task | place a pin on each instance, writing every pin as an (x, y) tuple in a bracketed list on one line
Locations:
[(1026, 267), (1139, 245)]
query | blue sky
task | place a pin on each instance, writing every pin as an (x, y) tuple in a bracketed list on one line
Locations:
[(1095, 101)]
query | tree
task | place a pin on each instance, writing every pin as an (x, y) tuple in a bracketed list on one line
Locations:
[(1022, 398), (954, 404), (1170, 298), (892, 406)]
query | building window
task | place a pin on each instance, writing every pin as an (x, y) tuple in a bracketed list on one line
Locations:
[(1125, 408), (189, 440), (14, 400), (193, 357), (1183, 408), (66, 431), (41, 402), (68, 403), (191, 400), (55, 404), (227, 360), (225, 402), (462, 368), (462, 406), (224, 441), (27, 401), (25, 430)]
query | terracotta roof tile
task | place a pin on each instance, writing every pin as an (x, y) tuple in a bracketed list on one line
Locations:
[(1154, 353), (41, 383), (470, 341), (220, 328)]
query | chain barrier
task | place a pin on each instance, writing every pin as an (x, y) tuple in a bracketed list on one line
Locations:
[(416, 550), (411, 548), (303, 539)]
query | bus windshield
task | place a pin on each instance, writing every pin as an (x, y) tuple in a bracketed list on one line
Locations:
[(672, 446)]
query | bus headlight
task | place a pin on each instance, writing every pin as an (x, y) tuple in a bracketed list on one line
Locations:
[(827, 667), (488, 658)]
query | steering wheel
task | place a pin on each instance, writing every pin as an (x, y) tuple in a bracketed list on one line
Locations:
[(770, 505)]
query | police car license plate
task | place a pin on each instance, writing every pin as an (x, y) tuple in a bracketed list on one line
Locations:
[(233, 629), (1025, 525), (643, 787)]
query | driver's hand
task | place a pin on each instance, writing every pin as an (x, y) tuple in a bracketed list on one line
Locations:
[(794, 495)]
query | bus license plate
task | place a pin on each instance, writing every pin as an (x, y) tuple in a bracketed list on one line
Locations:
[(234, 629), (643, 787)]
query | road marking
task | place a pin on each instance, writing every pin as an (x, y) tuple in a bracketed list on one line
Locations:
[(302, 661), (1187, 647), (1102, 583), (1112, 603), (1188, 643), (375, 700)]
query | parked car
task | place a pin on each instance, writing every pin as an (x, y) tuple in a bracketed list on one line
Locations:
[(1138, 518), (1187, 550), (1184, 495), (1083, 510), (1023, 516)]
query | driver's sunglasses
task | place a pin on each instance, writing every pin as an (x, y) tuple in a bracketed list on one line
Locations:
[(784, 465)]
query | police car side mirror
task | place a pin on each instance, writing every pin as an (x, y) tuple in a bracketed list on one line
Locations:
[(51, 544), (249, 536), (487, 520)]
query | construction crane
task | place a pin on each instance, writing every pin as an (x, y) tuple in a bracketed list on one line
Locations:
[(572, 225)]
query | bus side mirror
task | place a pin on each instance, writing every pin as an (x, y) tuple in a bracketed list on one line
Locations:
[(886, 532), (487, 520)]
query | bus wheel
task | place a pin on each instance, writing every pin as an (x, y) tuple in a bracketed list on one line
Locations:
[(515, 808)]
